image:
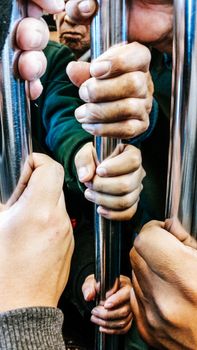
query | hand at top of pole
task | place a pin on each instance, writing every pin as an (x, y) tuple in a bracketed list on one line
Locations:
[(32, 36)]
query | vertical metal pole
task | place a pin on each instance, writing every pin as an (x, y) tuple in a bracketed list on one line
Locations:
[(182, 176), (109, 27), (15, 141)]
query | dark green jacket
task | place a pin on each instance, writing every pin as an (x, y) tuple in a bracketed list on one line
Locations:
[(62, 134)]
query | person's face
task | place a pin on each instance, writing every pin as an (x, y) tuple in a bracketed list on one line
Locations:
[(151, 22), (75, 36)]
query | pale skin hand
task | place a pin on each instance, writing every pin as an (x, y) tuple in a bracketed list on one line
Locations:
[(114, 316), (150, 21), (164, 296), (115, 184), (36, 241), (117, 90), (32, 36)]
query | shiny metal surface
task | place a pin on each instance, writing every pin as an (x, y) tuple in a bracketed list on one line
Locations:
[(15, 142), (182, 176), (109, 27)]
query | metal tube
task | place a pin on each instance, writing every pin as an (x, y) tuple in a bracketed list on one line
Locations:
[(109, 27), (15, 141), (182, 176)]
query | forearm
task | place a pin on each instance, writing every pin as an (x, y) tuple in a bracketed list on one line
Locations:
[(37, 328)]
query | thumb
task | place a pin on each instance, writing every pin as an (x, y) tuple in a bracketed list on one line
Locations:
[(81, 11), (174, 226), (85, 162), (78, 72), (89, 288)]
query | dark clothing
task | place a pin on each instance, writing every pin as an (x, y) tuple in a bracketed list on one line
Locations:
[(5, 11)]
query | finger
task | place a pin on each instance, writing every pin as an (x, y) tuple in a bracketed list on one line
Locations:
[(118, 185), (144, 275), (78, 72), (126, 129), (123, 215), (89, 289), (116, 111), (38, 190), (37, 39), (121, 313), (161, 250), (113, 202), (22, 183), (174, 226), (34, 10), (81, 11), (124, 160), (35, 89), (32, 65), (112, 324), (85, 162), (122, 296), (52, 6), (123, 330), (121, 59), (129, 85)]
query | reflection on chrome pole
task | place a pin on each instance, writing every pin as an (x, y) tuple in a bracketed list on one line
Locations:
[(182, 176), (109, 27), (15, 142)]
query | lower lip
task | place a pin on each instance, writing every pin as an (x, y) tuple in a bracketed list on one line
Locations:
[(72, 35)]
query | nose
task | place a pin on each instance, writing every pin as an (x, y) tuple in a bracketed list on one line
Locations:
[(69, 20)]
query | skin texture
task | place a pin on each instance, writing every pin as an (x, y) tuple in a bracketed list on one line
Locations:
[(36, 241), (32, 36), (164, 295), (114, 315), (150, 21), (77, 37), (123, 113), (115, 184)]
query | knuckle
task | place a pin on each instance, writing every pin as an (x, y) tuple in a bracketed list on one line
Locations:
[(139, 83), (125, 186), (132, 106), (129, 131), (135, 158), (124, 202), (93, 91), (125, 311), (95, 112)]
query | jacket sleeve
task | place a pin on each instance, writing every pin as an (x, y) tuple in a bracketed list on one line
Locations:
[(36, 328), (64, 135)]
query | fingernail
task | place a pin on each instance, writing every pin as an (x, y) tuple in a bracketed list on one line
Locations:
[(89, 185), (36, 40), (85, 6), (60, 4), (82, 172), (88, 127), (81, 112), (89, 194), (101, 171), (102, 211), (83, 93), (98, 69), (95, 312)]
